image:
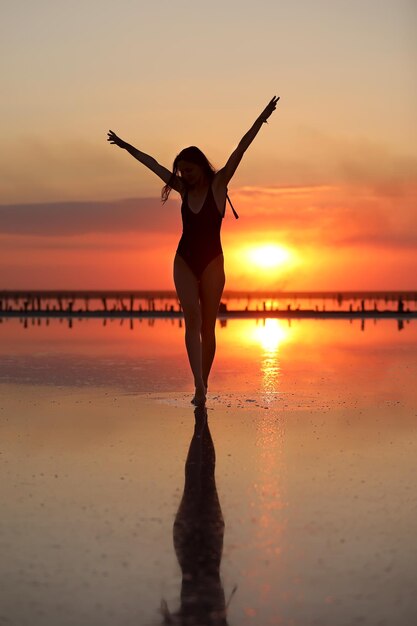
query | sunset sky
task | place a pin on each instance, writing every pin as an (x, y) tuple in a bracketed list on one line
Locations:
[(329, 185)]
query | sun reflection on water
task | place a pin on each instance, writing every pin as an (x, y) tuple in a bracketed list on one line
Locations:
[(269, 486), (271, 335)]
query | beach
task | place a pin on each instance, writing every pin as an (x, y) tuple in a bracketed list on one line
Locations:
[(310, 501), (266, 188)]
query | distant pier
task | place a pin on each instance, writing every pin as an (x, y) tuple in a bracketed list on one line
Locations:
[(235, 304)]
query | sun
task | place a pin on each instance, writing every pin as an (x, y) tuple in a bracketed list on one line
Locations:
[(269, 256)]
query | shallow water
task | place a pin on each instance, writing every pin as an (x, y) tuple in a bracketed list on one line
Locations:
[(314, 429)]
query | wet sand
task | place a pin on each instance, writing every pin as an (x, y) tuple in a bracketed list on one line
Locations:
[(318, 499)]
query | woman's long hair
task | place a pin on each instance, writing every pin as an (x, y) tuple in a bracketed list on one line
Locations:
[(192, 154)]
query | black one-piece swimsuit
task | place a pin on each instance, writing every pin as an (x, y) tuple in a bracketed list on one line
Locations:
[(200, 241)]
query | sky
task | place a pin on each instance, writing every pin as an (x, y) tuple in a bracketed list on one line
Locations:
[(330, 183)]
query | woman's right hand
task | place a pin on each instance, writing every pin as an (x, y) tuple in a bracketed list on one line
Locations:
[(113, 138)]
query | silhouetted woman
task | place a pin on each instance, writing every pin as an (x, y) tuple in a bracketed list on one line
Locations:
[(198, 265)]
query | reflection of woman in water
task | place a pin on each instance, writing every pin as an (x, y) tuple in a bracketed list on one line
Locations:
[(198, 536), (198, 265)]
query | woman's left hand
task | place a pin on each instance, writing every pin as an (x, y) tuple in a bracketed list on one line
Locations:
[(269, 109), (113, 138)]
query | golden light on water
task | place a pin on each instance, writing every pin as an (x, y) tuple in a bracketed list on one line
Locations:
[(266, 340), (263, 337), (271, 334)]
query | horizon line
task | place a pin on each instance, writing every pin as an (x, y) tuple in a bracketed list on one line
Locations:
[(11, 292)]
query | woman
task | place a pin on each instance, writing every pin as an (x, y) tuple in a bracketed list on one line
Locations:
[(198, 265)]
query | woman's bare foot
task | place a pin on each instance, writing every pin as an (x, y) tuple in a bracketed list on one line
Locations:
[(199, 396)]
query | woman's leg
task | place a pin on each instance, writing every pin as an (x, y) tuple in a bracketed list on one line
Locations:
[(211, 289), (186, 285)]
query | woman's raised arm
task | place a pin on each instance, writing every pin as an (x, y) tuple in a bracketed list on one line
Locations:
[(226, 173), (147, 160)]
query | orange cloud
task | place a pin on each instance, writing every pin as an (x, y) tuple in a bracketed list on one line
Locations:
[(331, 215)]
